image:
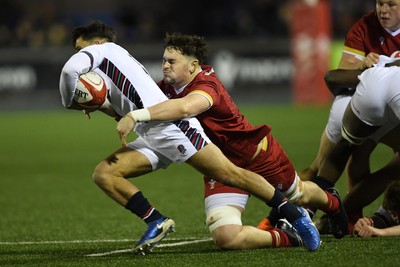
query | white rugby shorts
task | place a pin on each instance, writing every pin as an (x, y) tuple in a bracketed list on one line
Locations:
[(165, 143), (333, 128), (376, 101)]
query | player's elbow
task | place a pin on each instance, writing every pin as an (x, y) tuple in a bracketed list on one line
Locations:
[(330, 79), (182, 110)]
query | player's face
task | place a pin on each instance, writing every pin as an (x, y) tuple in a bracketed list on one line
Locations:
[(388, 12), (176, 68)]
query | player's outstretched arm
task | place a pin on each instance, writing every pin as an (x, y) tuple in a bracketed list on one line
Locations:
[(180, 108)]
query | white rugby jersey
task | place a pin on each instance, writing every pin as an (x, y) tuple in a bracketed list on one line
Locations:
[(129, 85)]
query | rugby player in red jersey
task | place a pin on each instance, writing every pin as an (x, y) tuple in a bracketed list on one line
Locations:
[(159, 144), (195, 90)]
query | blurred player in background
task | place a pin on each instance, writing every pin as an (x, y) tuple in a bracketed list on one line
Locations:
[(371, 185), (385, 221), (376, 33), (374, 107), (130, 91), (195, 90)]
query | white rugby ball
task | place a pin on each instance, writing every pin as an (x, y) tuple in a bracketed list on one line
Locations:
[(91, 90)]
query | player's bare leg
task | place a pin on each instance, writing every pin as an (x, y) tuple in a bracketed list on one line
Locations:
[(325, 146), (212, 163), (226, 229), (248, 237), (111, 176), (369, 189)]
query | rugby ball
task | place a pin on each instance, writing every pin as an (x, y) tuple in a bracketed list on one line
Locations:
[(91, 90)]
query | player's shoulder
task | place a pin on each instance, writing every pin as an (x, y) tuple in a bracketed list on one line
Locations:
[(104, 47)]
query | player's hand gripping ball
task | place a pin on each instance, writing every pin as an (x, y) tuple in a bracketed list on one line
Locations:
[(91, 90)]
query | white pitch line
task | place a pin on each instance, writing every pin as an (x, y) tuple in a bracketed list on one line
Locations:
[(81, 241), (65, 242), (158, 246)]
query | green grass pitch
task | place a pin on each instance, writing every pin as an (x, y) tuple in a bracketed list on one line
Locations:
[(52, 214)]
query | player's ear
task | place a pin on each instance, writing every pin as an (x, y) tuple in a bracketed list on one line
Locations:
[(193, 65), (98, 41)]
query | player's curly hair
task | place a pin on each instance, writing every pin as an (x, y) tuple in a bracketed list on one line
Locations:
[(93, 30), (391, 200), (190, 45)]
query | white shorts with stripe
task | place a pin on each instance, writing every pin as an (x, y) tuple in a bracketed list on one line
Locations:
[(165, 143)]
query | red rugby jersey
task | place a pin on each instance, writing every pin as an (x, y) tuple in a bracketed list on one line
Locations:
[(223, 123), (367, 35)]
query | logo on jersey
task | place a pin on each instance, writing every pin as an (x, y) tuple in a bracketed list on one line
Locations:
[(381, 39), (212, 184), (209, 72), (181, 149)]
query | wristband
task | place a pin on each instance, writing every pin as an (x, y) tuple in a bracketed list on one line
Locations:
[(141, 115)]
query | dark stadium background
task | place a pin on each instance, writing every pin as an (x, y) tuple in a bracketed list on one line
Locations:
[(52, 214), (250, 42)]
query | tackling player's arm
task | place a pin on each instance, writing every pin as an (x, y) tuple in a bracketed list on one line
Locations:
[(175, 109), (169, 110), (352, 62), (191, 105)]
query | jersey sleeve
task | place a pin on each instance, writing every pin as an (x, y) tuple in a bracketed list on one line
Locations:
[(78, 64), (207, 89), (205, 94), (355, 41)]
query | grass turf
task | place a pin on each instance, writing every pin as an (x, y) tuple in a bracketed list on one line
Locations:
[(53, 215)]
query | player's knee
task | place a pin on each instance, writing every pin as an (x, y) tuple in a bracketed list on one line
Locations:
[(224, 224), (302, 200), (101, 175), (308, 173), (224, 238), (352, 139), (296, 193)]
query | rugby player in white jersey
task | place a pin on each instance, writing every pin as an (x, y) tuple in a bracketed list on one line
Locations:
[(370, 185), (376, 33), (374, 105), (130, 91)]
